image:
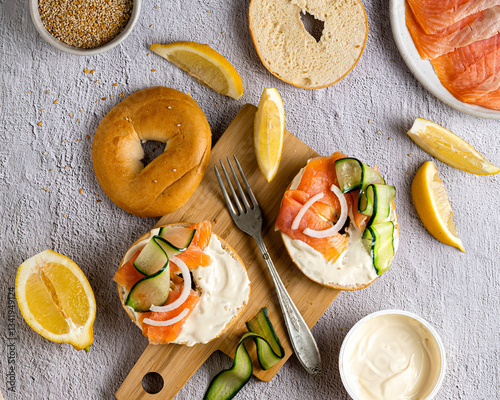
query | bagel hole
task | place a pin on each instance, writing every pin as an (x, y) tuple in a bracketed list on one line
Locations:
[(152, 149), (312, 25), (152, 382)]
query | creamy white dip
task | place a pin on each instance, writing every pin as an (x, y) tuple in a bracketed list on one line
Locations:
[(392, 357), (224, 287), (354, 267)]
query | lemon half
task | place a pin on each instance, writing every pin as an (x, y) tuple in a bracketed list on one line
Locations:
[(269, 132), (449, 148), (205, 64), (433, 207), (55, 299)]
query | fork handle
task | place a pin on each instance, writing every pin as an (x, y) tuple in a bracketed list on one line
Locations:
[(301, 338)]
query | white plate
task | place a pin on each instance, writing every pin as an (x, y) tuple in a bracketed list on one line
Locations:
[(423, 70)]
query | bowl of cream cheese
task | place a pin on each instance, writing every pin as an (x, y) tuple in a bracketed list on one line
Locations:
[(392, 355)]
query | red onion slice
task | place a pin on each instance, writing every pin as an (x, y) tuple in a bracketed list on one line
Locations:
[(340, 223), (305, 207), (168, 322), (186, 289)]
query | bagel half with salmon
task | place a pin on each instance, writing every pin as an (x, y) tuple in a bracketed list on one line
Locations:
[(338, 222), (182, 284)]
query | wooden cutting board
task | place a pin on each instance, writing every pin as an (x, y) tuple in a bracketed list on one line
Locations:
[(176, 363)]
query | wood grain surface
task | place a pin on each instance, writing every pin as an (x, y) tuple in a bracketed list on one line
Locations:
[(207, 203)]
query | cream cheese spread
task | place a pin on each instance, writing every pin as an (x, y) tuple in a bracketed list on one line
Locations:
[(392, 357), (225, 290), (354, 267)]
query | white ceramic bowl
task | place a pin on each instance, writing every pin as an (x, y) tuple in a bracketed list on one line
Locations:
[(37, 21), (349, 336)]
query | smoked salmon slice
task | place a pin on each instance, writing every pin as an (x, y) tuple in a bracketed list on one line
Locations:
[(475, 27), (472, 73), (331, 247), (203, 234), (435, 15), (127, 275), (319, 175), (165, 334)]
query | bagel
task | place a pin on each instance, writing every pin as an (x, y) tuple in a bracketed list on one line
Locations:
[(160, 114), (342, 261), (220, 290), (291, 54)]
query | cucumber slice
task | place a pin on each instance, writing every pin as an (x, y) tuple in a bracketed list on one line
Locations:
[(151, 290), (381, 242), (227, 384), (269, 351), (153, 256), (379, 199), (349, 174), (178, 238)]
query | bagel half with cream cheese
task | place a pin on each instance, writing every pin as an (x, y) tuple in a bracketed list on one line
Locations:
[(158, 301), (165, 184), (293, 55), (324, 232)]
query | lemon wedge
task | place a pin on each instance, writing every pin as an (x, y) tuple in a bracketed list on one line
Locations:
[(449, 148), (56, 300), (269, 131), (205, 64), (433, 207)]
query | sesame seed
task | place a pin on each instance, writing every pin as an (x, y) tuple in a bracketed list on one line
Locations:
[(81, 191), (115, 84), (153, 70), (47, 91), (86, 71), (169, 107), (55, 101), (87, 136), (178, 124), (148, 54), (40, 123), (154, 181), (174, 170), (104, 98), (92, 71)]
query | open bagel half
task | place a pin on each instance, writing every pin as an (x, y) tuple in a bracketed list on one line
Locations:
[(345, 259), (218, 282)]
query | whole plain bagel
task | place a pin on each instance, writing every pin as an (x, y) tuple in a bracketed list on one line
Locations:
[(353, 270), (290, 53), (159, 114), (223, 287)]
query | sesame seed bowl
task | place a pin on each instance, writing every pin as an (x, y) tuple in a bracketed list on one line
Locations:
[(89, 26)]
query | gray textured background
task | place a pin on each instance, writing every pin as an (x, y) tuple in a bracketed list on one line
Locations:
[(458, 293)]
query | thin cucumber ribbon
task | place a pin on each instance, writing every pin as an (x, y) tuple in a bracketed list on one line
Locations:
[(226, 384)]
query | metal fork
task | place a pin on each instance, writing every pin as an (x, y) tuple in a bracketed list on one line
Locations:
[(249, 219)]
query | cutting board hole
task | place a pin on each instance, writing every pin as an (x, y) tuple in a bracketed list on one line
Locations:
[(152, 383), (312, 25)]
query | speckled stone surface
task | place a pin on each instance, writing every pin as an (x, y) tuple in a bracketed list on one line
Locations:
[(50, 109)]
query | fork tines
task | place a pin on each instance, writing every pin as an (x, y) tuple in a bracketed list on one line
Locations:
[(248, 205)]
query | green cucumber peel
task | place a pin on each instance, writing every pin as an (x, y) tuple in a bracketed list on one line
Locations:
[(380, 239), (379, 198), (153, 256), (226, 384), (185, 237), (150, 290)]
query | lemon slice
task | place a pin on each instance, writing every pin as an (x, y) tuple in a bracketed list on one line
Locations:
[(56, 299), (205, 64), (449, 148), (269, 131), (433, 207)]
